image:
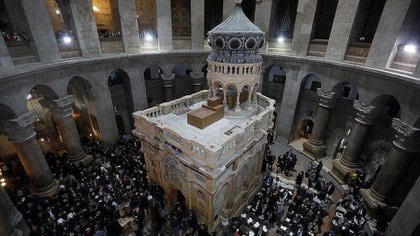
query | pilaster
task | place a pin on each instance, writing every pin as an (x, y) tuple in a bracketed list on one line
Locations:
[(129, 27), (387, 32), (197, 80), (197, 24), (303, 27), (164, 24), (11, 220), (263, 19), (5, 59), (41, 30), (341, 29)]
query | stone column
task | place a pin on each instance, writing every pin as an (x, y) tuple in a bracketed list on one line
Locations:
[(315, 146), (388, 29), (197, 24), (85, 25), (5, 59), (263, 19), (303, 27), (164, 24), (41, 30), (11, 221), (405, 146), (129, 27), (62, 113), (356, 142), (23, 137), (168, 85), (344, 20), (401, 224), (197, 80)]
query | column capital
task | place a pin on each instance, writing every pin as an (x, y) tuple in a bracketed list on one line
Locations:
[(365, 113), (326, 98), (197, 78), (168, 80), (22, 128), (62, 107), (406, 137)]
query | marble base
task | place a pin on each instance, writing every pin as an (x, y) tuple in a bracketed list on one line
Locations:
[(47, 191), (314, 151), (376, 206), (77, 158), (339, 171)]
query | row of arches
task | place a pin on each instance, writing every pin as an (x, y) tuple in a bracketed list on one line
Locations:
[(276, 80)]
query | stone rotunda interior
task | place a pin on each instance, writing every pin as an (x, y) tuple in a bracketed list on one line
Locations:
[(209, 117)]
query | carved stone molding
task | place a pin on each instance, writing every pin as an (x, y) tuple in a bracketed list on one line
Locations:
[(326, 98), (365, 113), (62, 107), (168, 80), (406, 137), (22, 128), (197, 78)]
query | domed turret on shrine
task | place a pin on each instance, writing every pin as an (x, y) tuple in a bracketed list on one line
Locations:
[(234, 65)]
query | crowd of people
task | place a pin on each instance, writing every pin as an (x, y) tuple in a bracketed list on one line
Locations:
[(15, 36), (109, 196)]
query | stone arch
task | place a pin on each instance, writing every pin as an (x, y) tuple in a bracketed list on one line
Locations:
[(122, 99), (84, 108), (154, 85), (386, 105), (38, 101), (182, 70), (307, 103)]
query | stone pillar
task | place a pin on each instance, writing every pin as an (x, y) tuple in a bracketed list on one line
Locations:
[(344, 20), (164, 24), (401, 224), (41, 30), (5, 59), (405, 146), (11, 220), (23, 137), (197, 24), (197, 80), (304, 23), (388, 29), (62, 113), (315, 146), (14, 11), (167, 86), (85, 25), (263, 19), (129, 27), (228, 6), (357, 140), (417, 71)]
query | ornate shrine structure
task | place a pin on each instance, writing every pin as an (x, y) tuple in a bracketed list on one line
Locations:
[(215, 163)]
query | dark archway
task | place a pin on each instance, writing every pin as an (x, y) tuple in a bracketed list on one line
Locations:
[(154, 86), (84, 110), (122, 99), (182, 84)]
